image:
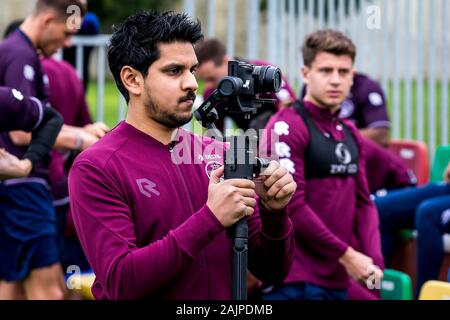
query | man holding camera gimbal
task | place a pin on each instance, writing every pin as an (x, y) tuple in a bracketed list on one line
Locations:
[(153, 225), (334, 219)]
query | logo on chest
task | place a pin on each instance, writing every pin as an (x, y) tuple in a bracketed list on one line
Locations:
[(343, 154), (344, 158), (147, 187), (211, 166)]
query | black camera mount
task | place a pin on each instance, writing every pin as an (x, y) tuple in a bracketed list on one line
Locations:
[(239, 92)]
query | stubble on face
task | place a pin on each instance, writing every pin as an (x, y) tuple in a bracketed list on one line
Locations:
[(170, 119), (170, 85)]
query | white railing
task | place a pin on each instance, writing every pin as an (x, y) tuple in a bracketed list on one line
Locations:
[(100, 43), (403, 43)]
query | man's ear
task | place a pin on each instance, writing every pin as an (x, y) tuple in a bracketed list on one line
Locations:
[(305, 74), (353, 74), (47, 18), (132, 80)]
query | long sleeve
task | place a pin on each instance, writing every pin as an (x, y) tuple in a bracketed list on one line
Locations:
[(44, 136), (14, 103), (271, 245), (308, 227), (104, 223), (372, 102), (13, 79), (366, 227)]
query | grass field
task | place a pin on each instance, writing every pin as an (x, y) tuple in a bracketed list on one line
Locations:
[(111, 101), (438, 111), (111, 108)]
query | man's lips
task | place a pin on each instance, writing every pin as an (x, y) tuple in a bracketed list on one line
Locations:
[(333, 93), (189, 101)]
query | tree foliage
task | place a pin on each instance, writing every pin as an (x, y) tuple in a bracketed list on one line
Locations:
[(115, 11)]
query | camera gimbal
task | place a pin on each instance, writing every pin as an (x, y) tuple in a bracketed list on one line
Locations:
[(239, 92)]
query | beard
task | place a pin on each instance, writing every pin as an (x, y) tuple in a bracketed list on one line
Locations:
[(169, 119)]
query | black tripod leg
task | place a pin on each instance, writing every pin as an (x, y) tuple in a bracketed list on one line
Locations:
[(239, 260)]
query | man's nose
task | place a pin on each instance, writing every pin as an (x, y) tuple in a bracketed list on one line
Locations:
[(335, 77), (190, 83)]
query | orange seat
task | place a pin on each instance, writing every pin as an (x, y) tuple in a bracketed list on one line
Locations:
[(415, 156)]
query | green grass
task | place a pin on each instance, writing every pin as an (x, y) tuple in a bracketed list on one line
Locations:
[(438, 110), (111, 101), (111, 108)]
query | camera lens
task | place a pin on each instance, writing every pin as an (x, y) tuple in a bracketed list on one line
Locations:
[(269, 79), (230, 86)]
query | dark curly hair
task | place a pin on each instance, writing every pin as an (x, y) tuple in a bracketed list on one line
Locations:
[(135, 42)]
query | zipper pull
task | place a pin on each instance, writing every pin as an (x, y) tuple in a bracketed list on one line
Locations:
[(171, 146)]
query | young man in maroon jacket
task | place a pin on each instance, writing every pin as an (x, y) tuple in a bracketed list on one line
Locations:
[(334, 219), (153, 226), (366, 107)]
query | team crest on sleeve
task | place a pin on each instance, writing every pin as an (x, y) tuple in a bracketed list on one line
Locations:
[(17, 94), (45, 80), (28, 72), (375, 99), (281, 128), (347, 108)]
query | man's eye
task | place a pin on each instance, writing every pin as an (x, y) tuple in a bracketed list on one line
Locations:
[(174, 71)]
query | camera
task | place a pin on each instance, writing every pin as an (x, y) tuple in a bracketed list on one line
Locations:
[(250, 80), (239, 92)]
